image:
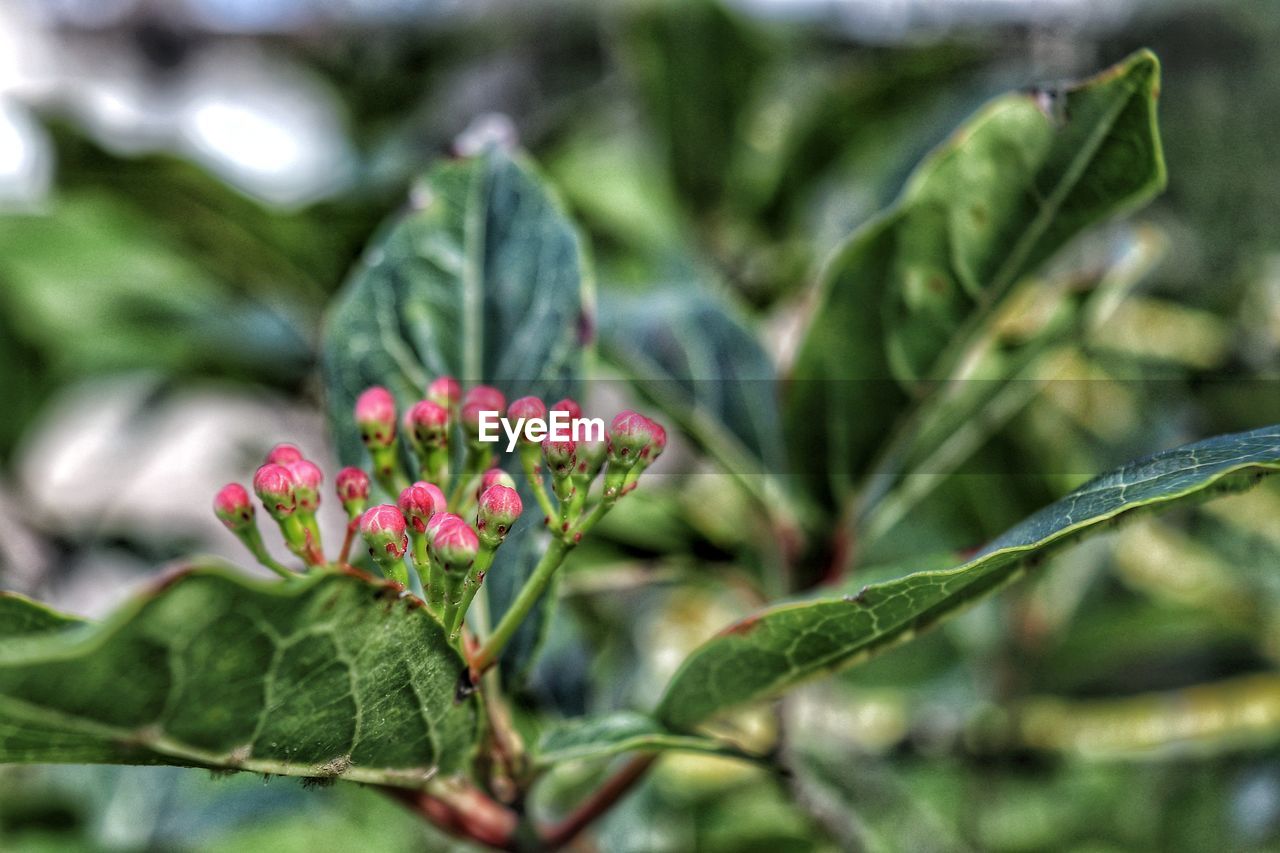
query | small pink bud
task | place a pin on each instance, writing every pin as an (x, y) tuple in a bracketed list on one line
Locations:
[(659, 442), (307, 478), (568, 405), (233, 508), (482, 398), (630, 435), (417, 506), (454, 542), (375, 414), (527, 408), (383, 528), (275, 488), (494, 477), (427, 424), (444, 391), (499, 508), (283, 454), (438, 500), (560, 456), (352, 485)]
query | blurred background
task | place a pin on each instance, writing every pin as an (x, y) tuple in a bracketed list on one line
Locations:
[(184, 183)]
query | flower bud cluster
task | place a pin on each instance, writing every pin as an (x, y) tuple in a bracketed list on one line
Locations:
[(444, 527)]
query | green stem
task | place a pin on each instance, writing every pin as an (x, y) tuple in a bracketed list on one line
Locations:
[(531, 461), (484, 559), (519, 609), (252, 539), (386, 470)]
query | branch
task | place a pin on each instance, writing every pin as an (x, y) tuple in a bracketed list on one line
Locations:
[(613, 790), (469, 814)]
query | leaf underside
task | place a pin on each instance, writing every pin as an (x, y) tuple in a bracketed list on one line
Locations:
[(771, 651), (329, 676)]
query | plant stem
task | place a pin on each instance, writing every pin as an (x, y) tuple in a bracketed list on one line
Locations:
[(528, 597), (344, 556), (530, 458), (604, 798), (484, 559), (469, 814), (252, 539)]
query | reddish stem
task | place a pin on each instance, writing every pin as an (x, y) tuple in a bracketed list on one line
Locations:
[(345, 553), (614, 789), (468, 814)]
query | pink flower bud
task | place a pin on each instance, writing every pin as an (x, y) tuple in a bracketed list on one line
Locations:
[(560, 456), (438, 500), (353, 486), (444, 391), (417, 506), (383, 528), (283, 454), (494, 477), (659, 442), (307, 478), (482, 398), (274, 486), (527, 408), (454, 542), (568, 405), (375, 414), (630, 435), (233, 508), (499, 508), (427, 424)]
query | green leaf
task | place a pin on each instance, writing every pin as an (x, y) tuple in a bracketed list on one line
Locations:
[(909, 298), (689, 354), (329, 676), (622, 731), (773, 650), (482, 278), (22, 617)]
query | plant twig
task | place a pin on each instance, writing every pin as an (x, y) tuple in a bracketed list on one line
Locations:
[(469, 814), (605, 797)]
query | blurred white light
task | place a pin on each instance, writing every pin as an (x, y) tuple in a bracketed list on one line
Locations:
[(25, 158), (247, 139)]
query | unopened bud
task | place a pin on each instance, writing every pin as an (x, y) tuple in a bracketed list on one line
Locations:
[(233, 508), (659, 442), (498, 509), (444, 391), (283, 454), (353, 490), (453, 542), (494, 477), (274, 486), (307, 478), (590, 458), (383, 529), (427, 425), (630, 435), (560, 456), (375, 415), (438, 500), (568, 405), (417, 506), (526, 408), (482, 398)]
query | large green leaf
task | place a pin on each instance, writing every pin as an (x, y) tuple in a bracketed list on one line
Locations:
[(769, 652), (332, 675), (910, 297), (481, 278)]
